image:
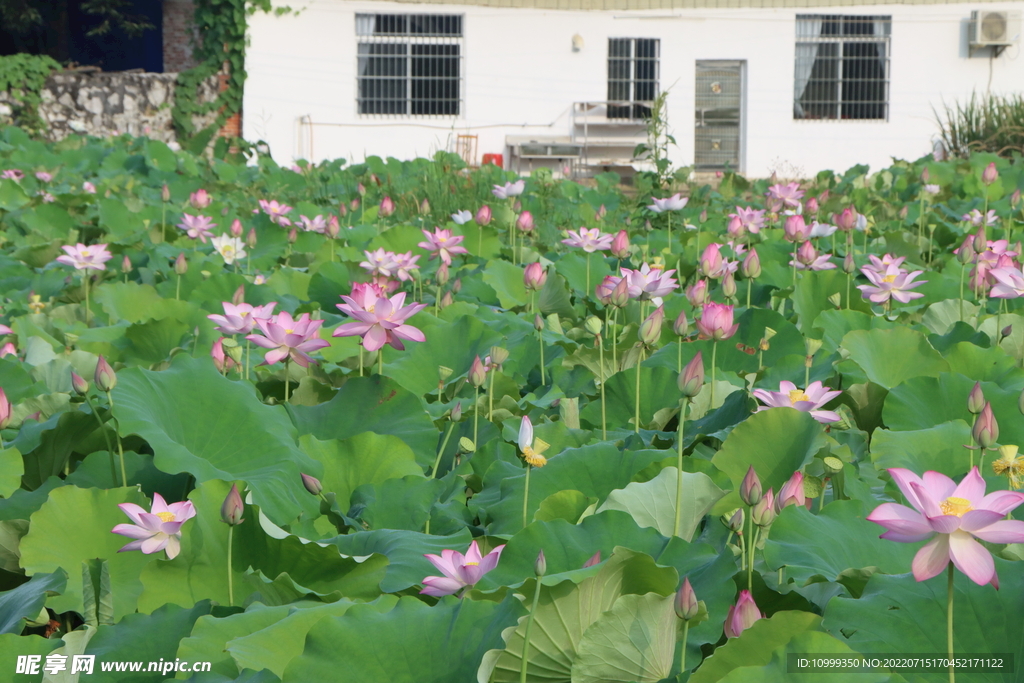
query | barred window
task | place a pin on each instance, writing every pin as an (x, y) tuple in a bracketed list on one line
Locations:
[(409, 64), (842, 67), (632, 76)]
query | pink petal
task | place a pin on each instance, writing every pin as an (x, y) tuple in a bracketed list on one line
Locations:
[(438, 586), (134, 545), (260, 340), (972, 488), (939, 485), (999, 501), (825, 416), (409, 333), (173, 547), (275, 356), (971, 558), (903, 478), (131, 531), (154, 544), (1003, 531), (944, 524), (979, 519), (931, 559), (159, 504), (473, 554), (445, 563), (133, 511), (909, 525), (929, 505), (491, 560), (374, 338)]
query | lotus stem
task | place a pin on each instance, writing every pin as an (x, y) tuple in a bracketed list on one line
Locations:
[(962, 268), (85, 281), (849, 278), (106, 437), (750, 282), (540, 341), (476, 413), (380, 361), (588, 274), (668, 215), (479, 240), (754, 533), (604, 418), (743, 550), (444, 445), (287, 368), (714, 358), (679, 464), (437, 300), (526, 494), (682, 647), (120, 448), (529, 625), (636, 413), (360, 360), (490, 397), (231, 579), (177, 290), (949, 622), (679, 357), (247, 345)]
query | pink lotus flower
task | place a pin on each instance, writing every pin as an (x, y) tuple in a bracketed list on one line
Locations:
[(405, 264), (5, 330), (460, 571), (792, 492), (12, 174), (509, 189), (231, 249), (716, 322), (288, 338), (442, 244), (746, 219), (955, 515), (789, 194), (197, 227), (673, 203), (742, 615), (156, 530), (711, 261), (697, 293), (275, 211), (620, 245), (807, 258), (381, 322), (893, 283), (534, 276), (524, 223), (379, 262), (647, 283), (589, 240), (44, 176), (316, 224), (5, 410), (221, 360), (483, 216), (808, 401), (990, 174), (88, 187), (881, 265), (85, 257), (978, 219), (241, 318), (1009, 283), (200, 199), (796, 229), (387, 207)]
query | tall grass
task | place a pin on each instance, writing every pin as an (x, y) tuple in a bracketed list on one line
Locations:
[(992, 123)]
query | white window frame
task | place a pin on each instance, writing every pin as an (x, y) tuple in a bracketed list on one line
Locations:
[(637, 108)]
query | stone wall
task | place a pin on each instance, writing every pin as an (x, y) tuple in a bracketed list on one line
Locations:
[(104, 104)]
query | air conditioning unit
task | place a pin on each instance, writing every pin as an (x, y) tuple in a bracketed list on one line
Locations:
[(994, 28)]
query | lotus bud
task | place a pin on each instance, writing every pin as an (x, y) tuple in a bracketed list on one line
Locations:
[(233, 350), (525, 222), (180, 264), (976, 399), (342, 209), (846, 220), (751, 266), (534, 276), (126, 264), (620, 294), (620, 245), (424, 207), (795, 229), (812, 206), (990, 174), (903, 212), (735, 227), (806, 253), (986, 429), (477, 372), (361, 189), (750, 487), (691, 379), (792, 492), (442, 276), (1020, 403), (849, 265), (165, 193), (466, 444), (711, 261), (5, 410), (456, 415), (729, 285), (703, 215), (293, 235), (742, 615), (354, 205), (696, 293), (686, 604), (387, 207), (763, 514), (836, 300), (1005, 332), (980, 243), (312, 484), (483, 216), (233, 508), (217, 354), (593, 325), (1015, 198), (457, 285), (925, 175), (540, 566), (965, 254), (447, 300), (498, 355), (236, 228), (538, 322), (9, 349), (250, 239), (733, 521), (650, 328), (79, 384), (594, 560), (647, 226), (681, 326), (105, 377)]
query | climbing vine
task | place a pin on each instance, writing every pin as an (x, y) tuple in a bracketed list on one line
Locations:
[(220, 49), (23, 77)]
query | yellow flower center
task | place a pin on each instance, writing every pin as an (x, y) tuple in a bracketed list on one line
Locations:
[(369, 309), (165, 516), (955, 506), (798, 395), (534, 458), (889, 278), (471, 564), (288, 330), (85, 253)]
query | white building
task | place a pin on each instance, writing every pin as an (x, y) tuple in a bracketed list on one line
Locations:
[(793, 86)]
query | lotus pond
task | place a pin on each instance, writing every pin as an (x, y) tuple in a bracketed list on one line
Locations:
[(406, 422)]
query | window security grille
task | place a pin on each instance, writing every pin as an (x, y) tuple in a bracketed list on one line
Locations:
[(633, 69), (842, 67), (409, 64)]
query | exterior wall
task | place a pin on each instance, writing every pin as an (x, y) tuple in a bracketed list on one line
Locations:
[(178, 33), (521, 76)]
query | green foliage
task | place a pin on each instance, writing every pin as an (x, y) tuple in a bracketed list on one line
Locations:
[(23, 76), (988, 123)]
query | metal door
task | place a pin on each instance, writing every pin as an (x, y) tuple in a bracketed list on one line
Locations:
[(718, 133)]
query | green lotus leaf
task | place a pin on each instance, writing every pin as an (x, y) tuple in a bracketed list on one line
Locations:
[(890, 357), (652, 503)]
